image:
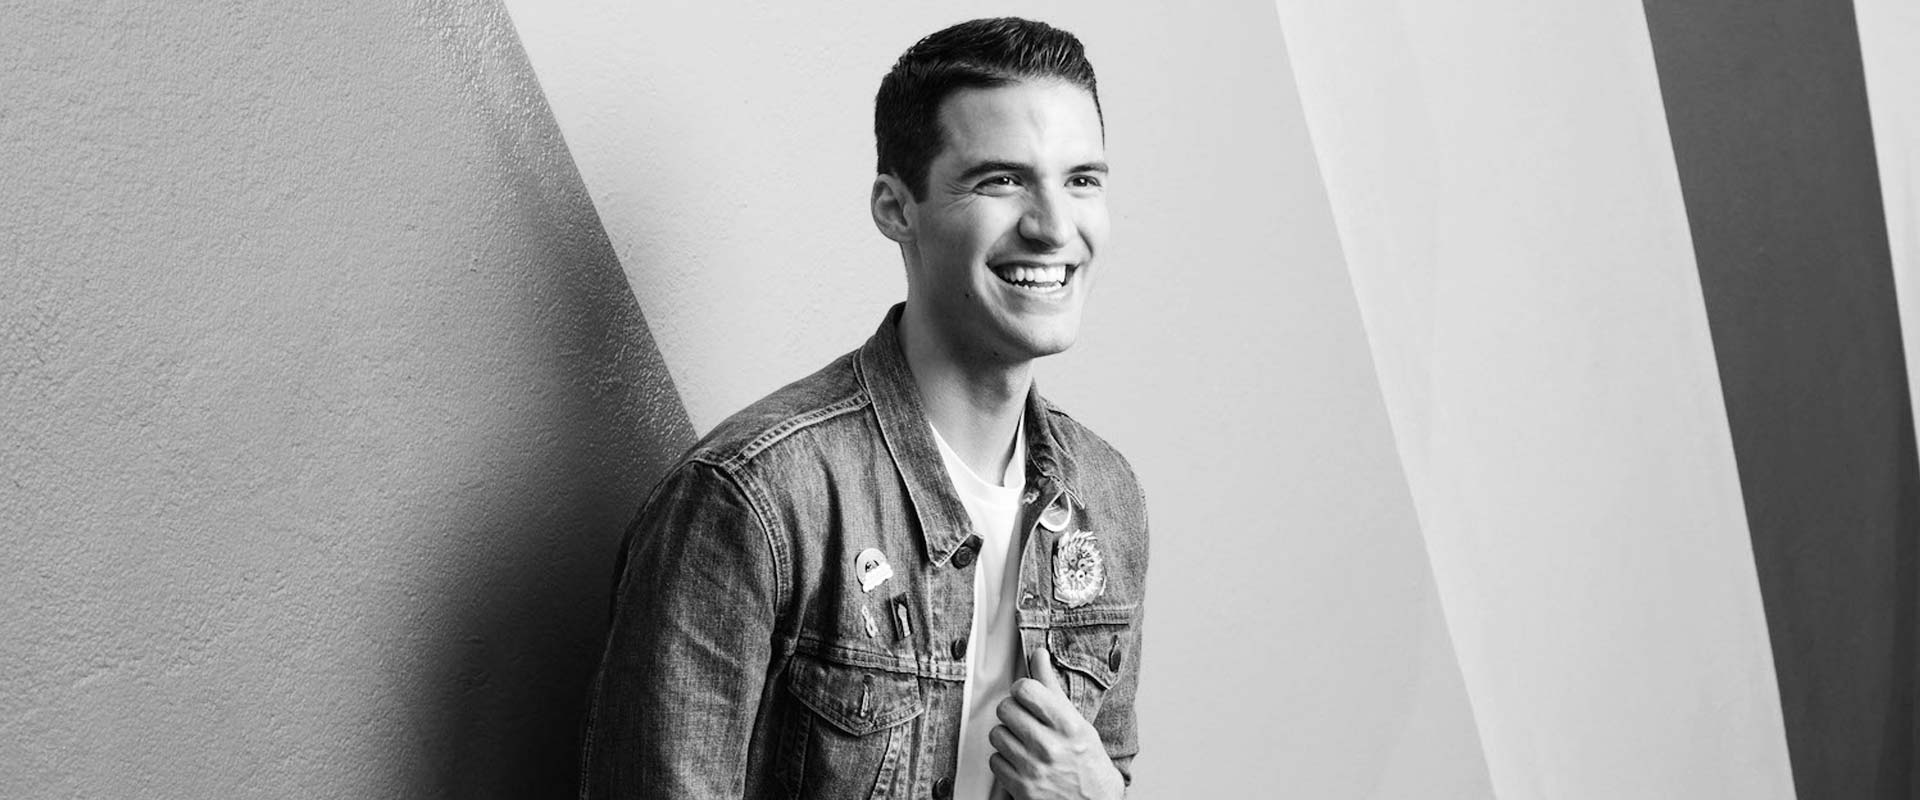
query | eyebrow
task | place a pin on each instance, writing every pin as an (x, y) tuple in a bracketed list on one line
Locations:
[(986, 167)]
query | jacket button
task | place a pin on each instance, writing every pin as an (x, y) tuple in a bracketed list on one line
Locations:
[(1113, 655), (943, 789), (964, 556), (959, 649)]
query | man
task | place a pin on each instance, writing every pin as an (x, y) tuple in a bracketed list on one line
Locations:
[(836, 592)]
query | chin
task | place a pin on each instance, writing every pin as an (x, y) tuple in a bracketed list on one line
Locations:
[(1041, 344)]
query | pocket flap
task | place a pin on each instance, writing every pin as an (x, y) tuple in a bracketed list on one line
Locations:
[(1097, 651), (854, 699)]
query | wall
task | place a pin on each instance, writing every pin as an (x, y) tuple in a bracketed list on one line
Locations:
[(1629, 273), (1892, 77), (1514, 225), (328, 394), (325, 402), (331, 377), (1767, 105)]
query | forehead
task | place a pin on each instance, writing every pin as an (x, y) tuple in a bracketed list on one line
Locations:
[(1027, 120)]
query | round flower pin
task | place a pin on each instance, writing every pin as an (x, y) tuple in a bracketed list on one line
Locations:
[(1079, 572)]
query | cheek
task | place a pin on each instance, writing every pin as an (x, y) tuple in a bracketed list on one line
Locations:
[(956, 238), (1094, 228), (982, 225)]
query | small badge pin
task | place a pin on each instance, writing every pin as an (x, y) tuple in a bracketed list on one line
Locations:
[(902, 619), (1079, 572), (1058, 514), (866, 620), (873, 569)]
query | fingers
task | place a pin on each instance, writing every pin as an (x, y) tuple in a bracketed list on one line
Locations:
[(1049, 705), (1020, 721), (1004, 774), (1040, 668), (1006, 742)]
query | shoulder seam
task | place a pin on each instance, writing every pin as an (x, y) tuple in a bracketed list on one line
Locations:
[(737, 458), (762, 514)]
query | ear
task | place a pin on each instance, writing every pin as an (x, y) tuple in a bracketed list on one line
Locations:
[(892, 207)]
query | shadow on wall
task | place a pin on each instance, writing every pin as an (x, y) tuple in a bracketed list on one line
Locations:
[(517, 622), (521, 621)]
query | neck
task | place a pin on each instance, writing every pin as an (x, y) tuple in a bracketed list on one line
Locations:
[(975, 405)]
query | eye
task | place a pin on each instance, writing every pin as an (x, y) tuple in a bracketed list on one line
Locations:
[(999, 183), (1085, 182)]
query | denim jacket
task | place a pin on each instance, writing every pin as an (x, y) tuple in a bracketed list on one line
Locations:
[(758, 647)]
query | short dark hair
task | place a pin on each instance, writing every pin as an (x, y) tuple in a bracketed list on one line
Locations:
[(980, 53)]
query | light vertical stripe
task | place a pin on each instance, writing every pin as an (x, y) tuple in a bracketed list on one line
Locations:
[(1888, 29), (1504, 187)]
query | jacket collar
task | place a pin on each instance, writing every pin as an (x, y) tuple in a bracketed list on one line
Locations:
[(944, 526)]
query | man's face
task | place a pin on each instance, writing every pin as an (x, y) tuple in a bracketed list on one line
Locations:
[(1001, 256)]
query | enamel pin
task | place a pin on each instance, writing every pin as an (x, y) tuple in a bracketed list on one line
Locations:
[(1058, 514), (902, 619), (1079, 573), (873, 568)]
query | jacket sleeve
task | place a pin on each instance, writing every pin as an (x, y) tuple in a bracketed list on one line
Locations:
[(673, 706), (1116, 722)]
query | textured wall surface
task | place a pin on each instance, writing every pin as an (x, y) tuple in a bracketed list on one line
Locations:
[(1294, 643), (324, 401)]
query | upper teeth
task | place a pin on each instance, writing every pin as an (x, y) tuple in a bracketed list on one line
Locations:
[(1055, 274)]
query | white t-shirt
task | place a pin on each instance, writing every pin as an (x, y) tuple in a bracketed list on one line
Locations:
[(993, 644)]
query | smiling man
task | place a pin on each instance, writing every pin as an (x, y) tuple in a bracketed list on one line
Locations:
[(908, 574)]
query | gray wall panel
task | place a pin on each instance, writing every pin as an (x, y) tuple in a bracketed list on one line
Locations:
[(1768, 113)]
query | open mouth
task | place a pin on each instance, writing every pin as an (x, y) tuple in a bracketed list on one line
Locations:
[(1036, 278)]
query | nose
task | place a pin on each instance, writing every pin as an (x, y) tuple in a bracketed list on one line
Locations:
[(1048, 223)]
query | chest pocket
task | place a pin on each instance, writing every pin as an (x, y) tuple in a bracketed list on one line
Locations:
[(848, 734), (1092, 651)]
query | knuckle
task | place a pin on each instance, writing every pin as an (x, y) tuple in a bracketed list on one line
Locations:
[(1005, 709), (1077, 725)]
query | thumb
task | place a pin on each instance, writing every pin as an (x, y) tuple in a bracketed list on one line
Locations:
[(1040, 668)]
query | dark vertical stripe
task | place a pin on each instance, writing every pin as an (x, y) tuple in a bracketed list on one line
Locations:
[(1767, 106)]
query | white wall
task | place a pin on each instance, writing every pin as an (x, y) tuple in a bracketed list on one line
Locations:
[(1295, 646), (324, 405), (1507, 197)]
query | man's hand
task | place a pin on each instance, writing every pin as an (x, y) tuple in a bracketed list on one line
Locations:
[(1044, 749)]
